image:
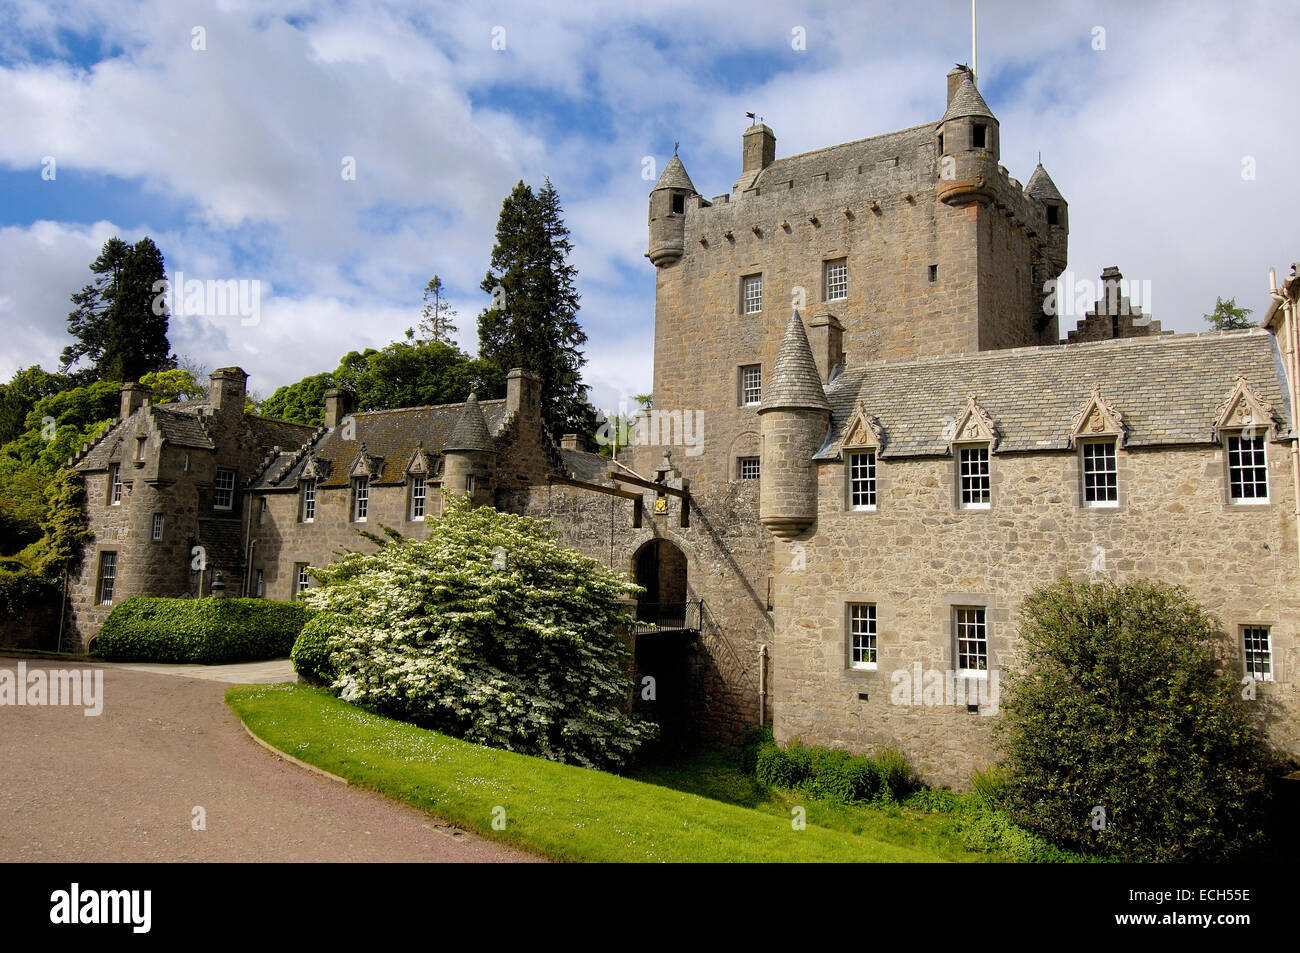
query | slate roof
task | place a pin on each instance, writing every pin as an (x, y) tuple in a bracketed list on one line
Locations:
[(967, 101), (591, 467), (795, 381), (471, 431), (178, 427), (222, 539), (674, 177), (391, 435), (1168, 389), (1041, 186)]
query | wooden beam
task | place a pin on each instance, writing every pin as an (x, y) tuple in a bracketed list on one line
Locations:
[(650, 485), (594, 487)]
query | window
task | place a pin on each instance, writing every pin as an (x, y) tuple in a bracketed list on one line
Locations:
[(469, 483), (934, 273), (1247, 473), (139, 449), (978, 136), (417, 497), (260, 584), (749, 468), (972, 641), (1258, 650), (862, 481), (751, 384), (107, 573), (223, 496), (751, 294), (300, 578), (185, 463), (157, 525), (261, 510), (360, 499), (974, 475), (862, 636), (115, 485), (835, 280), (1053, 215), (308, 501), (1100, 474), (679, 204)]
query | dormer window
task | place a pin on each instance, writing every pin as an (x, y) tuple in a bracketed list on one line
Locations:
[(115, 485), (1247, 467), (308, 501), (360, 499), (978, 135), (973, 477), (418, 496)]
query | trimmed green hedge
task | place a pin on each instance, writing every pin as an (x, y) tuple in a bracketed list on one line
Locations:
[(143, 629), (311, 653)]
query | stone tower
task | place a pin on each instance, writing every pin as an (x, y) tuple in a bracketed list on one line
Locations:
[(668, 213), (470, 456), (793, 420)]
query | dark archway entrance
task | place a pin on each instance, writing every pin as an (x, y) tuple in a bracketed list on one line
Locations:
[(664, 641)]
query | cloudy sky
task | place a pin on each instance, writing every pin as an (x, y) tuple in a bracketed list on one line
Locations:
[(224, 131)]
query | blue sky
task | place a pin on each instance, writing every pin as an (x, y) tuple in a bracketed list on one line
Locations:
[(230, 156)]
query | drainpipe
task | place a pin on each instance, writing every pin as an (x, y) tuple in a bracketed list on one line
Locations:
[(1291, 351), (762, 686)]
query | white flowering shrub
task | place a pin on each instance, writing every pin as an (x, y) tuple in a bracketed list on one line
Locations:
[(489, 630)]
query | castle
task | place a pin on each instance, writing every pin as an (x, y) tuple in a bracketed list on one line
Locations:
[(891, 449)]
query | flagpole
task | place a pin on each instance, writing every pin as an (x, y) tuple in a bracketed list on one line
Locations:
[(974, 49)]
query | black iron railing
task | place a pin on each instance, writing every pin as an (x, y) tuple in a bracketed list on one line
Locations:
[(667, 616)]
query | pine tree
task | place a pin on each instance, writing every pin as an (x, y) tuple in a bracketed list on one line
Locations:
[(1226, 316), (120, 322), (533, 321), (435, 317)]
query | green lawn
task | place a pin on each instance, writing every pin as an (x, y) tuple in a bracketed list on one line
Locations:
[(570, 813)]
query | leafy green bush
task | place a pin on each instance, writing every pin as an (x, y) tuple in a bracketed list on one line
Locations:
[(989, 786), (896, 776), (489, 630), (311, 651), (144, 629), (1123, 706), (833, 774)]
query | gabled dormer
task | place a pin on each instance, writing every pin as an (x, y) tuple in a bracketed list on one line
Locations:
[(1245, 409), (973, 425), (1097, 417)]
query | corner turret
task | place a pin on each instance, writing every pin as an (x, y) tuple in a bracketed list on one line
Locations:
[(668, 213), (470, 456), (793, 419), (967, 146)]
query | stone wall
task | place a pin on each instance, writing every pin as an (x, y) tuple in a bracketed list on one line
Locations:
[(917, 556)]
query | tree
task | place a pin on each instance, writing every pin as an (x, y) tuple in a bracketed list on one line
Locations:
[(20, 395), (532, 321), (435, 317), (489, 630), (1228, 317), (1123, 732), (120, 320)]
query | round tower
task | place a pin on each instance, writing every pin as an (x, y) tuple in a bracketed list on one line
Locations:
[(668, 213), (968, 146), (793, 419), (469, 467), (1042, 189)]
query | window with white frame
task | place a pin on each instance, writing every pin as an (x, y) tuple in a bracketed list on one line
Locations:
[(835, 280), (751, 294), (360, 499), (223, 490), (973, 475), (971, 628), (107, 575), (157, 525), (417, 497), (115, 485), (308, 501), (748, 468), (862, 480), (301, 580), (862, 636), (1247, 468), (1257, 648), (1100, 473), (751, 384)]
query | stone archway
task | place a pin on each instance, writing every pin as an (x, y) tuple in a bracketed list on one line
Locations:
[(663, 648), (660, 567)]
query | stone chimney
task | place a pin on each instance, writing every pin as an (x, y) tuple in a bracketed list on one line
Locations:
[(134, 396), (524, 394), (573, 441), (826, 338), (338, 404), (226, 390), (759, 148)]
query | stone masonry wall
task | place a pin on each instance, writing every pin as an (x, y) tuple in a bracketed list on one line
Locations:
[(918, 556)]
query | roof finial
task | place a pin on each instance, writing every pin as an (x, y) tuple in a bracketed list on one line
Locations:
[(974, 50), (677, 143)]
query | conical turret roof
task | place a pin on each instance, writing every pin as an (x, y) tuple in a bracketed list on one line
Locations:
[(795, 381), (967, 101), (470, 432), (1042, 187), (674, 177)]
